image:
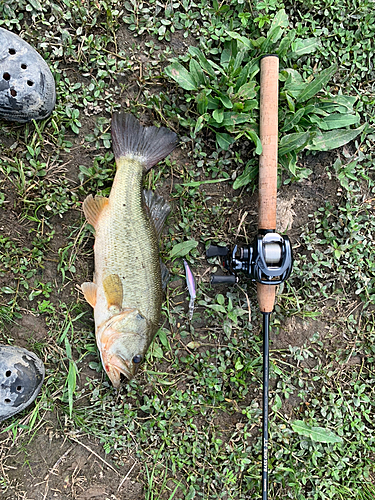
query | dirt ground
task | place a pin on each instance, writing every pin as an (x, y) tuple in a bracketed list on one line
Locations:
[(55, 464), (59, 465)]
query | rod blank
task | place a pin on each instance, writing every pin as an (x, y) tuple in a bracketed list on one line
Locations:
[(266, 363)]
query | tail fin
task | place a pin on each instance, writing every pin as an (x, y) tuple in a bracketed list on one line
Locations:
[(149, 144)]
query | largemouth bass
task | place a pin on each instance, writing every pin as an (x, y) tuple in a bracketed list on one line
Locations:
[(126, 292)]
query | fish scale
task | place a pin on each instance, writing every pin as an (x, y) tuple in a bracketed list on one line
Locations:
[(126, 292), (127, 239)]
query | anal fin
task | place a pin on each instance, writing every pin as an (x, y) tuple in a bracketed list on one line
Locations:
[(93, 207)]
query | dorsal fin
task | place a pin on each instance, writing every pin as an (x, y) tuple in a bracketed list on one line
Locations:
[(93, 207), (158, 210)]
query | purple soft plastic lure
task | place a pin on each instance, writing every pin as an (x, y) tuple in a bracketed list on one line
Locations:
[(190, 280)]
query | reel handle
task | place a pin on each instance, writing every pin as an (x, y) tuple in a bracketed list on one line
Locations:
[(268, 131)]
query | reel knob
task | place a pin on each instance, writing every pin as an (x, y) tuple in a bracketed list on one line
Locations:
[(216, 251), (229, 279)]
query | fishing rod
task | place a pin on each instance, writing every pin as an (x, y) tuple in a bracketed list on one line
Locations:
[(269, 260)]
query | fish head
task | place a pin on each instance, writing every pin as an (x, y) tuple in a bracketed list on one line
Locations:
[(123, 341)]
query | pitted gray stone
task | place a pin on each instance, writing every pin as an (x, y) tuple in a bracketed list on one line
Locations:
[(21, 378), (27, 87)]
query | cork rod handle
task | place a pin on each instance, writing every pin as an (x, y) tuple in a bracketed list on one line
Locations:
[(268, 131)]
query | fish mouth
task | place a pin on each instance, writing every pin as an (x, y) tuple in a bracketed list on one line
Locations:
[(117, 366)]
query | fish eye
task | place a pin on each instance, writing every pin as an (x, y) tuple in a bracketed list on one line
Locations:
[(137, 358)]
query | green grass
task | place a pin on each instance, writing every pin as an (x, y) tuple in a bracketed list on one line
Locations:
[(192, 417)]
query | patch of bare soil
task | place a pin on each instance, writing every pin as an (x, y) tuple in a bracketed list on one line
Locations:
[(55, 466)]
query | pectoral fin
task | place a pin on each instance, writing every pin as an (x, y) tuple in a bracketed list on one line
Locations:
[(113, 291), (93, 207), (89, 291)]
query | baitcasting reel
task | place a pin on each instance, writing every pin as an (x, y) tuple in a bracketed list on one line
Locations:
[(268, 260)]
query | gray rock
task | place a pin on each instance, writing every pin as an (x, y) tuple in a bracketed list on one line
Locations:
[(27, 87), (21, 378)]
